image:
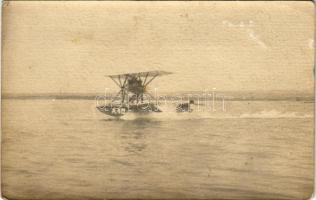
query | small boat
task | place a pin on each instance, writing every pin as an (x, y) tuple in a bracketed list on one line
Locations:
[(185, 107)]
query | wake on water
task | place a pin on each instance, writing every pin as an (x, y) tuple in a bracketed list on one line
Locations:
[(168, 115), (236, 110)]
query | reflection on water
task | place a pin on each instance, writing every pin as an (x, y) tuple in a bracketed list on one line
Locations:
[(134, 133)]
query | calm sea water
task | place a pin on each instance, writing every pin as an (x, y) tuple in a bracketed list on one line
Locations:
[(67, 149)]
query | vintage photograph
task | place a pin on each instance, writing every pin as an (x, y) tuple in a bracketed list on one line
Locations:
[(157, 100)]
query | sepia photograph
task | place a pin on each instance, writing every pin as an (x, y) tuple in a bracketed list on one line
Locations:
[(157, 100)]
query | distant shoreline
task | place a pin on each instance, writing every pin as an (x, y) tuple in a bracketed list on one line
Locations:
[(194, 96)]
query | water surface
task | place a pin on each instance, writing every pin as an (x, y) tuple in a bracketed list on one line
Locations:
[(67, 149)]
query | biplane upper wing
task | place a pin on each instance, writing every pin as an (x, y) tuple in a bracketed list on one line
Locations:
[(141, 74), (146, 77)]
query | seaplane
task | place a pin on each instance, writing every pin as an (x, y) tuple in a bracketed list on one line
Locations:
[(133, 95)]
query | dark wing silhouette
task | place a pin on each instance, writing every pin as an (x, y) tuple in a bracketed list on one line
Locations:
[(141, 74)]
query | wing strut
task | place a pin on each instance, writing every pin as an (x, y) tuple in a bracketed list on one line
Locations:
[(151, 80), (115, 81), (119, 78), (123, 89), (145, 78)]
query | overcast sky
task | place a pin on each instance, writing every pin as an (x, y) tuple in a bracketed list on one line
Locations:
[(68, 47)]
